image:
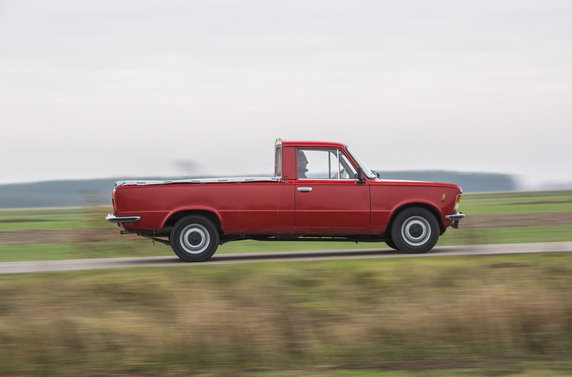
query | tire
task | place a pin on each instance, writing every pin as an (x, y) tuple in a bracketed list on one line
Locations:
[(415, 230), (389, 242), (194, 238)]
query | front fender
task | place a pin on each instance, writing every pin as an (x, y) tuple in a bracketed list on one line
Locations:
[(420, 203)]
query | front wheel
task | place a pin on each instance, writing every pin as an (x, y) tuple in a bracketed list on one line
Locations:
[(389, 242), (415, 230), (194, 238)]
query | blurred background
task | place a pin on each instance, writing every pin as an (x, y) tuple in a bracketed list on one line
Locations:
[(476, 93), (133, 88)]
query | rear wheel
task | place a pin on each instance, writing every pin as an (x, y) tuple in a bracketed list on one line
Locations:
[(194, 238), (415, 230)]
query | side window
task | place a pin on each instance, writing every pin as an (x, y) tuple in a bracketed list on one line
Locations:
[(347, 170), (324, 164)]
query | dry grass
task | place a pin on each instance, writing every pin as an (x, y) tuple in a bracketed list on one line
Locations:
[(285, 315)]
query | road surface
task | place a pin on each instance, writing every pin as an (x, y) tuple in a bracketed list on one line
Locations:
[(170, 261)]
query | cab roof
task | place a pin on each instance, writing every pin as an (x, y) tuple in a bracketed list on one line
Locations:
[(322, 144)]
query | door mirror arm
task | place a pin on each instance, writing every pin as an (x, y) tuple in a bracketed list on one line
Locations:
[(361, 176)]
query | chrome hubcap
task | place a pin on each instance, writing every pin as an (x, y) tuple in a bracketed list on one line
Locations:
[(194, 239), (416, 231)]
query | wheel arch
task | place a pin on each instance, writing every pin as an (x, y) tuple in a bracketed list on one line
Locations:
[(209, 213), (428, 206)]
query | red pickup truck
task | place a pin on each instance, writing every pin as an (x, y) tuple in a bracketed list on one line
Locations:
[(319, 191)]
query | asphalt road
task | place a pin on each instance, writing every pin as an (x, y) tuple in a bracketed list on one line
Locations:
[(170, 261)]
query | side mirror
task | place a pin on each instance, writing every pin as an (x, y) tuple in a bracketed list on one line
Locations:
[(361, 176)]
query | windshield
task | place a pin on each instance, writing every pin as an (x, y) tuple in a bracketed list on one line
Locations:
[(368, 173)]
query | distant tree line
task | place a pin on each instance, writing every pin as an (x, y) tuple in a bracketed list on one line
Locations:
[(98, 191), (470, 182)]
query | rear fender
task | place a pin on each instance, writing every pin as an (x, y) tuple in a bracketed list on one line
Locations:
[(183, 211)]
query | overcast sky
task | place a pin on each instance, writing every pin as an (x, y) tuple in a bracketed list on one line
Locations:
[(127, 88)]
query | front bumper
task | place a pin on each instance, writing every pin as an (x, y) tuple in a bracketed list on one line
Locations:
[(455, 218), (122, 219)]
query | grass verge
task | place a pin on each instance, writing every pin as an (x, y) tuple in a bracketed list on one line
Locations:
[(281, 316)]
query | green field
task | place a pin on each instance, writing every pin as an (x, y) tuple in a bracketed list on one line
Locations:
[(471, 204), (143, 248), (448, 316), (517, 202), (54, 218), (76, 219)]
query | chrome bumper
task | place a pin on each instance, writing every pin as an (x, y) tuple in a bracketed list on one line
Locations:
[(124, 219), (455, 219), (456, 216)]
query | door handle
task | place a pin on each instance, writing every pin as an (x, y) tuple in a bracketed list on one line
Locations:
[(304, 189)]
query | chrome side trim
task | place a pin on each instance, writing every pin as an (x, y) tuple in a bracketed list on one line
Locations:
[(456, 216), (199, 180), (329, 179), (124, 219)]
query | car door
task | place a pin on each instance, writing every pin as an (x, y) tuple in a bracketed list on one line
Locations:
[(329, 198)]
